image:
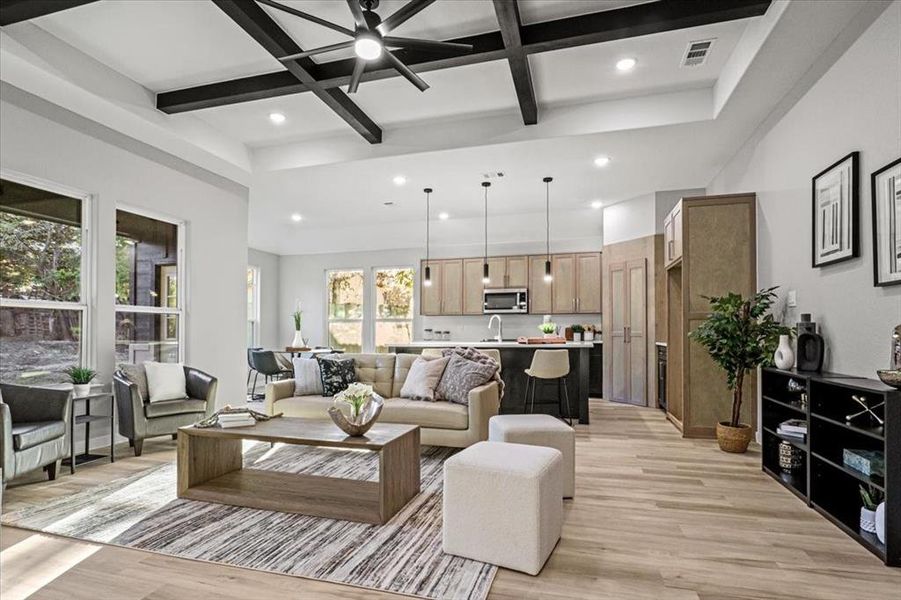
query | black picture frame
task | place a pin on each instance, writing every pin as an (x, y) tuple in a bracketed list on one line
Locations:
[(854, 225), (875, 217)]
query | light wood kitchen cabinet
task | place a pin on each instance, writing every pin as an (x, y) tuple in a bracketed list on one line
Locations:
[(430, 296), (497, 269), (539, 289), (564, 286), (473, 288), (517, 272), (627, 282), (588, 283), (445, 295), (672, 235)]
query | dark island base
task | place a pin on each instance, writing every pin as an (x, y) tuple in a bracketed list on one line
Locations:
[(514, 360)]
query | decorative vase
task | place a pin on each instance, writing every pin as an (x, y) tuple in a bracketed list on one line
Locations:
[(880, 522), (589, 336), (550, 335), (80, 390), (298, 342), (789, 457), (359, 423), (784, 357), (867, 520), (733, 439), (577, 337)]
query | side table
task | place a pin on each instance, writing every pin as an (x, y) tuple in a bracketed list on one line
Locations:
[(86, 419)]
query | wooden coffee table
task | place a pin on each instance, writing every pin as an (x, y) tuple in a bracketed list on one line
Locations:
[(210, 468)]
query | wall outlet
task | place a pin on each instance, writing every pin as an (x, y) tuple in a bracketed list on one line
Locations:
[(792, 298)]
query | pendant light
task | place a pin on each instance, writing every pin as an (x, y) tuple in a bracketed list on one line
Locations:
[(427, 281), (548, 276), (485, 277)]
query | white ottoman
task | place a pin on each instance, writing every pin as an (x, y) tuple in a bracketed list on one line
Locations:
[(503, 504), (539, 430)]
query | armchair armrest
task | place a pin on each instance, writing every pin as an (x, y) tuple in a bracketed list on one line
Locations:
[(7, 459), (275, 391), (35, 404), (484, 403), (129, 405), (201, 386)]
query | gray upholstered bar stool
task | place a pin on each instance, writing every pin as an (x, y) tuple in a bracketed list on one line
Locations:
[(549, 364)]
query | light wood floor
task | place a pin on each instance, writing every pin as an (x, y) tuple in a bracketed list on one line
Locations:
[(655, 517)]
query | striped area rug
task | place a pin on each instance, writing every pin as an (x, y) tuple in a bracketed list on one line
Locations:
[(402, 556)]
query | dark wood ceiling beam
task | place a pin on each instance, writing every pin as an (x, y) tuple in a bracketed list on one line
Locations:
[(251, 17), (508, 18), (621, 23), (16, 11)]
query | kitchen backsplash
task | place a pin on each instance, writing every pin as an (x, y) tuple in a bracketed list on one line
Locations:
[(475, 328)]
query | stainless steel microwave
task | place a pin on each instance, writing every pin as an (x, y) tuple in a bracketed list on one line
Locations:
[(506, 300)]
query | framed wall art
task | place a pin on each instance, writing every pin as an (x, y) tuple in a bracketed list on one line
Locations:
[(886, 191), (836, 209)]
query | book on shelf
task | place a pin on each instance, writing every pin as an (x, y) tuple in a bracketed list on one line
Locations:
[(234, 415), (796, 426)]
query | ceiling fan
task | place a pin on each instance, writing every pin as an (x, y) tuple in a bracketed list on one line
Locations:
[(370, 40)]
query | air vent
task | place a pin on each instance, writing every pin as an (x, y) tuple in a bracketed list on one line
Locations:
[(697, 52), (493, 175)]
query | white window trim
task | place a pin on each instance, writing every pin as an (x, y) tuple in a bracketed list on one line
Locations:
[(373, 308), (181, 311), (257, 274), (366, 341), (88, 283)]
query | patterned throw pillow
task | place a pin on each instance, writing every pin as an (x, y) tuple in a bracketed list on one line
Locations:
[(337, 374), (423, 378), (461, 376)]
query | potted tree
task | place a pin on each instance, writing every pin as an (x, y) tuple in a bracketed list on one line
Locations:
[(740, 335)]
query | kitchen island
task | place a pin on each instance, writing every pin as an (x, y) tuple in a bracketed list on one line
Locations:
[(515, 358)]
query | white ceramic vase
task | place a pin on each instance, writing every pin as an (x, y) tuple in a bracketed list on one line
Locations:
[(550, 335), (577, 337), (588, 336), (867, 520), (880, 522), (784, 356), (80, 390), (298, 342)]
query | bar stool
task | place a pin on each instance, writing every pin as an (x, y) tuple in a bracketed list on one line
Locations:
[(549, 364)]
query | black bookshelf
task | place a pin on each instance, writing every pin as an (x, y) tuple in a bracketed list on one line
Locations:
[(823, 481)]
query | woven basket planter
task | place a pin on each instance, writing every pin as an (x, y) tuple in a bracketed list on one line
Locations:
[(733, 439)]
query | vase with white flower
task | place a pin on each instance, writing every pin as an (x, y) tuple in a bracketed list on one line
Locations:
[(364, 407)]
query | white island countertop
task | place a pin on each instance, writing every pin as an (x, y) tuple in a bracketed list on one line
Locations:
[(483, 344)]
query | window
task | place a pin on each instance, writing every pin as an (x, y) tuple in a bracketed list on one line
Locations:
[(393, 307), (253, 306), (43, 305), (149, 315), (345, 310)]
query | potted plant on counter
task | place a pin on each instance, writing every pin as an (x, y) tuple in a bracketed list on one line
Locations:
[(81, 378), (577, 330), (740, 335), (548, 329)]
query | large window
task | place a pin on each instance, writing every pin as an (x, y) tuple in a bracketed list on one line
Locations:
[(345, 310), (393, 307), (43, 305), (253, 306), (149, 294)]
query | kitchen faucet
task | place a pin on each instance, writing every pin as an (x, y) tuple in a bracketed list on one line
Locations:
[(500, 327)]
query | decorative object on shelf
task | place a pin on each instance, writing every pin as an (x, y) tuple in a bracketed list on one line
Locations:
[(740, 334), (427, 334), (548, 275), (364, 405), (836, 207), (890, 377), (588, 336), (867, 410), (895, 361), (577, 330), (811, 346), (793, 428), (548, 329), (869, 462), (486, 277), (228, 412), (794, 387), (784, 358), (790, 458), (427, 280), (803, 401), (297, 315), (871, 497), (880, 522), (885, 188), (81, 378)]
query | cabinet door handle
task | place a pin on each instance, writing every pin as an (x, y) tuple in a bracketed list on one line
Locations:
[(670, 249)]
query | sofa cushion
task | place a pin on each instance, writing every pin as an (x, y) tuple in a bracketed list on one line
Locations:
[(307, 377), (337, 374), (461, 376), (29, 435), (136, 375), (436, 415), (164, 408), (377, 370), (423, 378), (402, 364), (165, 381)]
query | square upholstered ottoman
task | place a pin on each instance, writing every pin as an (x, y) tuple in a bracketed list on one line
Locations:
[(539, 430), (503, 504)]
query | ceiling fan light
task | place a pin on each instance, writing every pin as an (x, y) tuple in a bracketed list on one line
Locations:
[(368, 46)]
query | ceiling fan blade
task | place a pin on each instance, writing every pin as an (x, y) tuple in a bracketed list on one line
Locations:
[(406, 71), (322, 50), (402, 14), (402, 42), (357, 12), (359, 67), (307, 16)]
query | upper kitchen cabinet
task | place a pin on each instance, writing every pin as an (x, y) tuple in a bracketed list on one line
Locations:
[(508, 272), (672, 236), (473, 288), (539, 289), (445, 295), (588, 282), (563, 290)]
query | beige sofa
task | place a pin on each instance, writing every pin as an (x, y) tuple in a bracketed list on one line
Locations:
[(443, 423)]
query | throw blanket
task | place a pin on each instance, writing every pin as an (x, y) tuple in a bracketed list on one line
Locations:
[(476, 356)]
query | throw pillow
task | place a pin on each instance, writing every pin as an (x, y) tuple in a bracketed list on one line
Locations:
[(165, 381), (138, 376), (461, 376), (423, 378), (336, 374), (307, 377)]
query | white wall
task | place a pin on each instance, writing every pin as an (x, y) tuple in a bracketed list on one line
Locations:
[(666, 200), (270, 315), (856, 105), (643, 215), (50, 143)]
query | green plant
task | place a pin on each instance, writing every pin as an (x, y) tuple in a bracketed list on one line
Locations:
[(740, 334), (577, 328), (871, 496), (548, 327), (298, 319), (80, 375)]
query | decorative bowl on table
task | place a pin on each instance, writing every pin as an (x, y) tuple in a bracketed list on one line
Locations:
[(890, 377), (363, 408)]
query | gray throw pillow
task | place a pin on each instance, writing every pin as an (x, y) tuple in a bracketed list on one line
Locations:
[(307, 377), (461, 376), (138, 376), (336, 374), (423, 378)]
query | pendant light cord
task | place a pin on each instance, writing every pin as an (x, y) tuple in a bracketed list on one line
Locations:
[(486, 224), (427, 215), (547, 216)]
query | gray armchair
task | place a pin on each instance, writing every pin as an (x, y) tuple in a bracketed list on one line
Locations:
[(33, 426), (140, 419)]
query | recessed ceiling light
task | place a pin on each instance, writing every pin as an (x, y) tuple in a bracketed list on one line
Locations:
[(596, 204), (602, 161), (296, 217), (443, 216), (399, 180), (277, 118), (388, 203), (625, 64)]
